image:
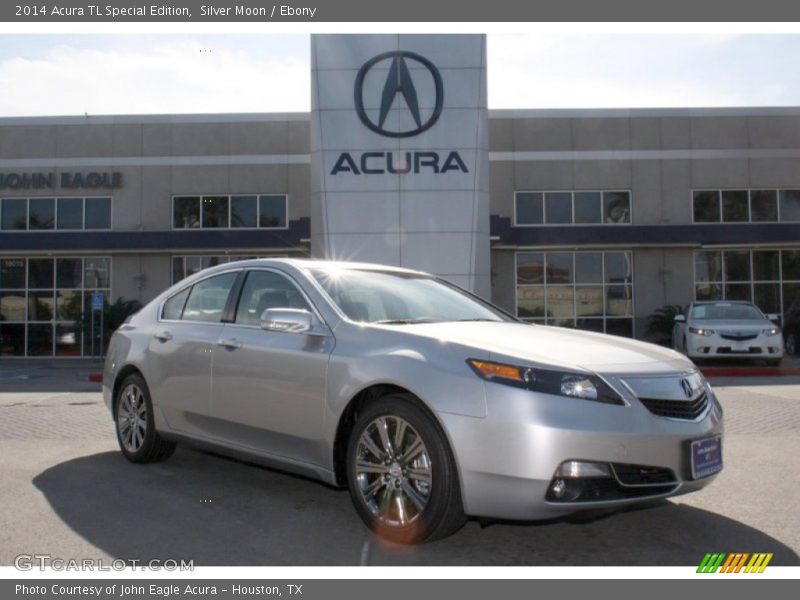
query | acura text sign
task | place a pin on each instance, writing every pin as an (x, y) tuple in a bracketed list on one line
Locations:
[(399, 152)]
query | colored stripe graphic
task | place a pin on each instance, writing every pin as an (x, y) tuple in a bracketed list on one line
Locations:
[(711, 562)]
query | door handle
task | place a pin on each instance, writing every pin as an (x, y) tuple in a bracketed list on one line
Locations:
[(231, 343), (163, 336)]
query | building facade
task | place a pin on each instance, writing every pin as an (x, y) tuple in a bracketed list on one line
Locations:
[(578, 218)]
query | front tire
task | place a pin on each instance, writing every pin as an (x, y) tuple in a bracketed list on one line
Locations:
[(791, 343), (401, 474), (135, 425)]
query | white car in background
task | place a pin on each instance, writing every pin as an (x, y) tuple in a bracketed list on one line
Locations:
[(728, 329)]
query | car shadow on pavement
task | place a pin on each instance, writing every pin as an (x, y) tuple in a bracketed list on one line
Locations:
[(216, 511)]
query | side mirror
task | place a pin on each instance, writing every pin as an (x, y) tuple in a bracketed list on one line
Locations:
[(289, 320), (680, 318), (774, 318)]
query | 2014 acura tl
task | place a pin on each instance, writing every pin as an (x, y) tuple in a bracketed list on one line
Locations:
[(427, 402)]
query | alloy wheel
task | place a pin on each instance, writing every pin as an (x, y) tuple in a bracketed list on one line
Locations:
[(132, 418), (393, 471)]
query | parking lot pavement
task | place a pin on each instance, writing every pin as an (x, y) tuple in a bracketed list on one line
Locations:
[(68, 492)]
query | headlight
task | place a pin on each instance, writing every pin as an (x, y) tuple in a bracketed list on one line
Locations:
[(701, 331), (546, 381), (771, 331)]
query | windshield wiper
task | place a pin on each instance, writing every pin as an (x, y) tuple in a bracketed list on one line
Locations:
[(479, 319)]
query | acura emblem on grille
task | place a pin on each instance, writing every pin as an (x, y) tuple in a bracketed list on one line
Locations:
[(687, 387)]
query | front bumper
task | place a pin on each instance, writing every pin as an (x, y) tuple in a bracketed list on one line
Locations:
[(717, 346), (508, 459)]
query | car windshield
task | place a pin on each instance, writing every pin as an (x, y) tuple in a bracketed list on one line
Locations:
[(371, 296), (725, 312)]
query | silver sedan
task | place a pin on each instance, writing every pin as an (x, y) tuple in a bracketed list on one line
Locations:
[(427, 402), (728, 329)]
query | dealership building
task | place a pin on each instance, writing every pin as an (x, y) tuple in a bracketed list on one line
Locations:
[(579, 218)]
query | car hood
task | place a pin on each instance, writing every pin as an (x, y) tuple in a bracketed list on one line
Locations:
[(732, 324), (555, 346)]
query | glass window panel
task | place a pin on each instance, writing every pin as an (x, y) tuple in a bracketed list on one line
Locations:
[(557, 207), (790, 262), (619, 300), (12, 339), (560, 301), (530, 301), (530, 267), (98, 213), (763, 205), (620, 327), (186, 212), (70, 213), (68, 340), (97, 273), (69, 273), (15, 213), (41, 305), (590, 325), (208, 297), (69, 305), (766, 265), (708, 291), (561, 322), (559, 267), (264, 290), (215, 211), (588, 207), (194, 264), (530, 208), (40, 273), (90, 336), (588, 267), (768, 297), (12, 273), (791, 300), (12, 306), (734, 206), (272, 211), (617, 207), (177, 269), (790, 205), (42, 213), (738, 291), (618, 267), (706, 207), (40, 340), (589, 301), (173, 307), (212, 261), (244, 211), (708, 266), (737, 265)]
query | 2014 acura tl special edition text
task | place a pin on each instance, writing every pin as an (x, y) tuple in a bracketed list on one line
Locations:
[(427, 402)]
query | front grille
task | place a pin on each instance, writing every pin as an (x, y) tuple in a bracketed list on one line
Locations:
[(677, 409), (642, 475), (738, 337)]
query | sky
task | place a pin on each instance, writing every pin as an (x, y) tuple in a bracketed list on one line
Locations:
[(42, 74)]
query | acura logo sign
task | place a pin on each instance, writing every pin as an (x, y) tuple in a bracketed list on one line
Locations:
[(687, 388), (399, 83)]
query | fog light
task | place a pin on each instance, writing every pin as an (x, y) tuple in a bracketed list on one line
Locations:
[(566, 489), (703, 349), (573, 469)]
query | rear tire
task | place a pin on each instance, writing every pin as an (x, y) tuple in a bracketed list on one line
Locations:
[(135, 425), (401, 473)]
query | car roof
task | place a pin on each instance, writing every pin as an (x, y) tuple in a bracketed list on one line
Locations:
[(310, 263), (723, 302)]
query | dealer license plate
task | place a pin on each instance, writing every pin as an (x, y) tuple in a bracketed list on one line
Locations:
[(706, 457)]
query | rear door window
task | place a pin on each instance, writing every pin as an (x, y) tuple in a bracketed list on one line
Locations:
[(207, 298)]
